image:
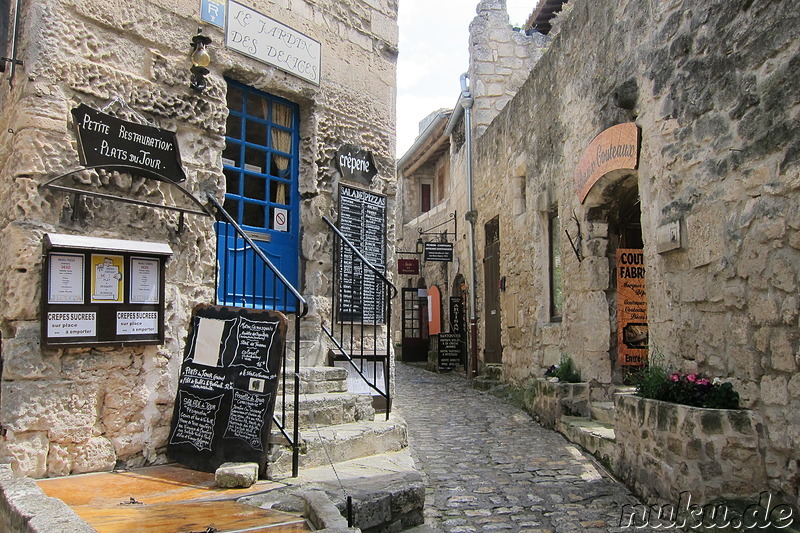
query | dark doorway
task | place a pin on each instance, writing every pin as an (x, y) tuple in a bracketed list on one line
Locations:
[(415, 326), (493, 349)]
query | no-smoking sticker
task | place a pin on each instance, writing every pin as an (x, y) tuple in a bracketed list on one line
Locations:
[(280, 219)]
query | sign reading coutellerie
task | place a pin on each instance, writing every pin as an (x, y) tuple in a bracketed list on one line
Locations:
[(616, 148), (633, 333), (125, 146)]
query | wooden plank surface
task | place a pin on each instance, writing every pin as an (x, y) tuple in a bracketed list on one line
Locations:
[(166, 499)]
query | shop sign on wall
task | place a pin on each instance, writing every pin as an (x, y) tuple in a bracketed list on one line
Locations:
[(616, 148), (267, 40), (408, 266), (439, 251), (116, 144), (227, 385), (102, 291), (356, 164), (362, 219), (632, 328)]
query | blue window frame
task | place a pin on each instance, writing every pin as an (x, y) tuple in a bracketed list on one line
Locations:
[(260, 163)]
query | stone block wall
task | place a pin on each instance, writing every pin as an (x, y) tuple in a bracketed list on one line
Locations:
[(712, 89), (665, 449), (74, 410)]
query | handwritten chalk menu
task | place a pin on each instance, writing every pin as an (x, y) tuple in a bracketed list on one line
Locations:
[(362, 219), (226, 390), (102, 291)]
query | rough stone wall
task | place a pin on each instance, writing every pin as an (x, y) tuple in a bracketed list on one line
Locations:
[(664, 449), (76, 410), (713, 89), (500, 60)]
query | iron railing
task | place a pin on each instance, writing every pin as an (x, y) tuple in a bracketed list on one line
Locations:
[(276, 293), (360, 328)]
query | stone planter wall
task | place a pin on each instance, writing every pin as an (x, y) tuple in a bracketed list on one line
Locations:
[(666, 448), (553, 399)]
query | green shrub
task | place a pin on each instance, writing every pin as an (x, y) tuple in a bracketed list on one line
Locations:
[(565, 371), (654, 382)]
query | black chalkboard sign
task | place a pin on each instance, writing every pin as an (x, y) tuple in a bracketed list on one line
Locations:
[(117, 144), (362, 219), (226, 392), (451, 351)]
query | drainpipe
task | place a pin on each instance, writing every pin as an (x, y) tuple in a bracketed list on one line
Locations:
[(466, 103)]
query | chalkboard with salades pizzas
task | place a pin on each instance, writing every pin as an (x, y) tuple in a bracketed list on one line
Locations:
[(226, 391)]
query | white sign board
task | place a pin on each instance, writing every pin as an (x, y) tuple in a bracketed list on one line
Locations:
[(280, 219), (137, 322), (71, 324), (267, 40)]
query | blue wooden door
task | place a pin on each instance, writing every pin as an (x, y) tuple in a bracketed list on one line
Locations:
[(260, 163)]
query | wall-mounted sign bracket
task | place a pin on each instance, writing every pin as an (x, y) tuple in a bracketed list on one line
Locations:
[(454, 233), (79, 193)]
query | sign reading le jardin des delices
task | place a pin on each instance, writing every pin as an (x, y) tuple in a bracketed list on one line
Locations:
[(114, 144)]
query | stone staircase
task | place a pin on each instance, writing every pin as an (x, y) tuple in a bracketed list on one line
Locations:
[(335, 425), (594, 433)]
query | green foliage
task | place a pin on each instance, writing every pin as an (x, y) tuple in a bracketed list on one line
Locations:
[(654, 382), (565, 371)]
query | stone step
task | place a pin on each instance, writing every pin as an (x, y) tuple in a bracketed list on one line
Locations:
[(593, 436), (340, 443), (330, 409), (318, 379), (603, 412), (388, 493)]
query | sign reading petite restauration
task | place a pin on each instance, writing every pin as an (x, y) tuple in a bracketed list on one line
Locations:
[(616, 148), (267, 40), (116, 144)]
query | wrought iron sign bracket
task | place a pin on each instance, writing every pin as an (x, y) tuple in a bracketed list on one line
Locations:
[(77, 207), (454, 233)]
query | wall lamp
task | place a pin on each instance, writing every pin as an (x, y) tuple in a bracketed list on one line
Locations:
[(420, 246), (200, 60)]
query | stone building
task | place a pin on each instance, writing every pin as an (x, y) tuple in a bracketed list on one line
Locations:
[(667, 130), (323, 78)]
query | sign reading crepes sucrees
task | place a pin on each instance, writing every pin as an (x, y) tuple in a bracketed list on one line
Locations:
[(117, 144)]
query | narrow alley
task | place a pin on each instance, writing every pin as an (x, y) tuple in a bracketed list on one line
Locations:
[(489, 466)]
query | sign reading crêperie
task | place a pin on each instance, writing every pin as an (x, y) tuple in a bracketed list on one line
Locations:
[(356, 164), (267, 40), (116, 144), (616, 148)]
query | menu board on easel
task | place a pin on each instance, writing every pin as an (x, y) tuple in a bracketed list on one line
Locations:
[(362, 219), (226, 390)]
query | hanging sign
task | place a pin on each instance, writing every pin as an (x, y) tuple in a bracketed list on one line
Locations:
[(267, 40), (226, 389), (616, 148), (356, 164), (408, 266), (439, 251), (115, 144), (632, 327)]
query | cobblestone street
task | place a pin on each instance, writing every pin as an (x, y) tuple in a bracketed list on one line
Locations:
[(489, 466)]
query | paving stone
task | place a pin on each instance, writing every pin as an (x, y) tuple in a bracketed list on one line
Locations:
[(490, 466)]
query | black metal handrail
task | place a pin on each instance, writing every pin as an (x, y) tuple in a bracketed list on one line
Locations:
[(359, 326), (289, 301)]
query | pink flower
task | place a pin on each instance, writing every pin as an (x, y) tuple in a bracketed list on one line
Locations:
[(675, 377), (703, 382), (691, 378)]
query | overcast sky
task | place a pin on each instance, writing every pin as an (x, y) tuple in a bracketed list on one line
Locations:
[(434, 36)]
